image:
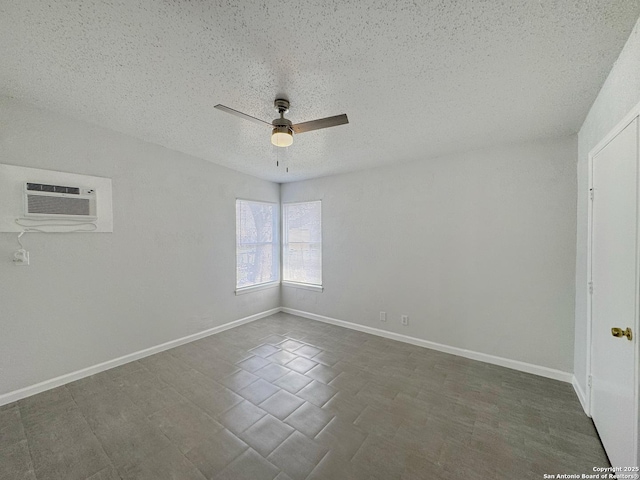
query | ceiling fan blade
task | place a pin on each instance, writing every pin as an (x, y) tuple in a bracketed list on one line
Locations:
[(241, 115), (321, 123)]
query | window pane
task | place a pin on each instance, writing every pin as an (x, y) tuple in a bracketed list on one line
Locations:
[(257, 249), (303, 263), (255, 222), (302, 249), (303, 222), (255, 265)]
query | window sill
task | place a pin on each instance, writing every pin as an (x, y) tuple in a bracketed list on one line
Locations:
[(304, 286), (255, 288)]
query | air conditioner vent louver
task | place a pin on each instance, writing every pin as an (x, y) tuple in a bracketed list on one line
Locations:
[(56, 201), (40, 187), (46, 205)]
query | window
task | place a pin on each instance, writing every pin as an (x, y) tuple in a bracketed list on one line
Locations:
[(302, 242), (257, 246)]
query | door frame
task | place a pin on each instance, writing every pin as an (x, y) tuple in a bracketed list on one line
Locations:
[(630, 117)]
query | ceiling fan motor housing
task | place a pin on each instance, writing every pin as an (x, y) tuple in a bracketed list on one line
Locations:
[(281, 105), (282, 124), (282, 133)]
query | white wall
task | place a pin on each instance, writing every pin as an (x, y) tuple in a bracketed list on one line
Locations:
[(619, 94), (167, 271), (478, 249)]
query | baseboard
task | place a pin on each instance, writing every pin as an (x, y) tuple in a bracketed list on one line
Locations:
[(581, 395), (482, 357), (116, 362)]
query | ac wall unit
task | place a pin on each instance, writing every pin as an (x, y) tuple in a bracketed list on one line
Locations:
[(43, 201)]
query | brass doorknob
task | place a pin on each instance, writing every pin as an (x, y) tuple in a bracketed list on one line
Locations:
[(618, 332)]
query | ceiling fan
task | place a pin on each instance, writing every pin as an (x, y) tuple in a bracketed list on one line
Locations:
[(283, 129)]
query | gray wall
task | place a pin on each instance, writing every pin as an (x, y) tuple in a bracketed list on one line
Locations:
[(167, 271), (478, 249), (619, 94)]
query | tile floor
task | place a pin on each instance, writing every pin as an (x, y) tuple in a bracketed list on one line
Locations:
[(289, 398)]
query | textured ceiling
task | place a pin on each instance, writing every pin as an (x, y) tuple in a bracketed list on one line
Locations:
[(417, 79)]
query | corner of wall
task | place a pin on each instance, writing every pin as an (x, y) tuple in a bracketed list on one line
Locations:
[(619, 94), (581, 395)]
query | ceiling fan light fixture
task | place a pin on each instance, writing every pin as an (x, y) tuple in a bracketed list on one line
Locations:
[(282, 128), (281, 136)]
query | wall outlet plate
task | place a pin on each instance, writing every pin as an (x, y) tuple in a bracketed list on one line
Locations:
[(404, 319), (383, 316)]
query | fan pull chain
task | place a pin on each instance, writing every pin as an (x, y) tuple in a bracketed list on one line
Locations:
[(278, 159)]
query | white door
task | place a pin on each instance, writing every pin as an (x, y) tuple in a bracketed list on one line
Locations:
[(614, 273)]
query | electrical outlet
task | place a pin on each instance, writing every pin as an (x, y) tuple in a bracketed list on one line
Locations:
[(404, 319), (383, 316)]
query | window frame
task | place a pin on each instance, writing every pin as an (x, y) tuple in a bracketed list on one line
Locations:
[(284, 242), (275, 243)]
